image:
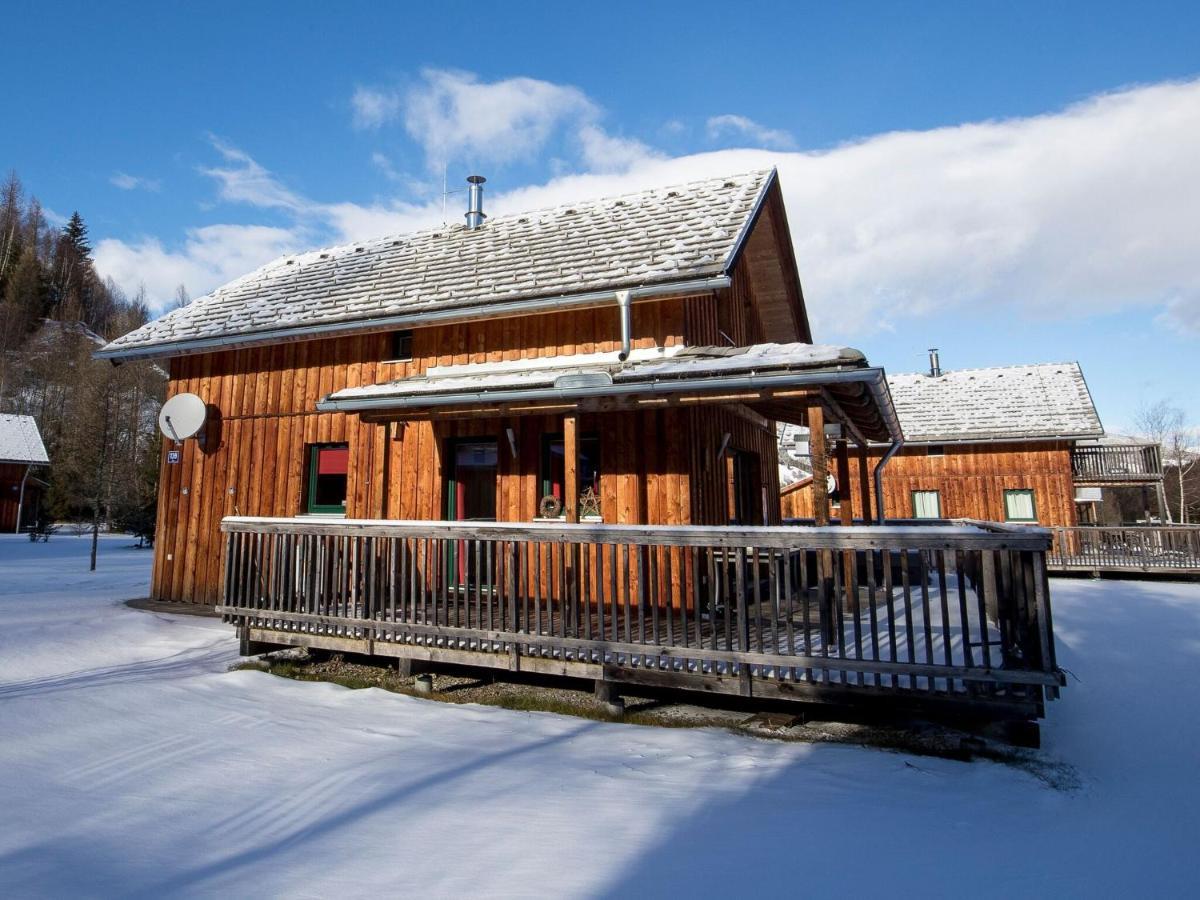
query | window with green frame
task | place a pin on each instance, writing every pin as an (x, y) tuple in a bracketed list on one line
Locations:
[(554, 465), (1019, 506), (327, 468), (926, 505)]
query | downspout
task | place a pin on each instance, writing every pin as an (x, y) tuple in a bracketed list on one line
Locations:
[(897, 443), (624, 306), (21, 500)]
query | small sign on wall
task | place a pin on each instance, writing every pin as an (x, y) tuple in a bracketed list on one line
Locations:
[(172, 456)]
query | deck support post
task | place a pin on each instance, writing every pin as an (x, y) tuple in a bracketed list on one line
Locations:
[(247, 647), (846, 510), (571, 467), (819, 456), (845, 495), (864, 484), (614, 703)]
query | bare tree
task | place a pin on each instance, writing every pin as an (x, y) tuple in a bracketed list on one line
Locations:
[(181, 298), (1166, 426)]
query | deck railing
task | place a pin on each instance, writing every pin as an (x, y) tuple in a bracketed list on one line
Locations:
[(950, 613), (1099, 463), (1097, 548)]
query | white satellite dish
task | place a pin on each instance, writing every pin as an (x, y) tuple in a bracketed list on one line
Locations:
[(182, 416)]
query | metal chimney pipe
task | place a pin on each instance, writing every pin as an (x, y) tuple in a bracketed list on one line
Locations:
[(935, 364), (474, 214)]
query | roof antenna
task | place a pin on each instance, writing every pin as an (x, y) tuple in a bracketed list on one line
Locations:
[(446, 192)]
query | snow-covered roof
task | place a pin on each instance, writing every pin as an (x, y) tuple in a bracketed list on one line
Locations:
[(20, 440), (659, 236), (658, 364), (1031, 402), (764, 376)]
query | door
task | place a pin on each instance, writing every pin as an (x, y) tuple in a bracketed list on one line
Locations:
[(471, 497)]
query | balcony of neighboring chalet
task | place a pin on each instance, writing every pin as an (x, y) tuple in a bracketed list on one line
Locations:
[(1116, 464)]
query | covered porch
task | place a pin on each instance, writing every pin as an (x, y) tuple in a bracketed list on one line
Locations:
[(668, 435)]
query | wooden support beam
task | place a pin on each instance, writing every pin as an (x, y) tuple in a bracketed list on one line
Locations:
[(864, 483), (820, 463), (571, 467), (845, 495)]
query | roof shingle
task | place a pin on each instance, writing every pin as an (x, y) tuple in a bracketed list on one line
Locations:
[(656, 236), (1040, 401)]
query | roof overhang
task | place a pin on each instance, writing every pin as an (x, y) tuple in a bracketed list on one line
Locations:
[(859, 394), (418, 319)]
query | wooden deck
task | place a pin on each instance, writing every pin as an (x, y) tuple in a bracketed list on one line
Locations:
[(952, 616), (1116, 463), (1097, 549)]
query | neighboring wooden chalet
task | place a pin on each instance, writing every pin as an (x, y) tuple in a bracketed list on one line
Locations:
[(21, 453), (547, 442), (1003, 444)]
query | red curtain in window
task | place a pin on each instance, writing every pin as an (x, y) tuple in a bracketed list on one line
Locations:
[(332, 460)]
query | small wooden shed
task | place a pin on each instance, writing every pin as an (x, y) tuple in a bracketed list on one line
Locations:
[(21, 453)]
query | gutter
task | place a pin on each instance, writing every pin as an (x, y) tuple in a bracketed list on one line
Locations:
[(422, 319), (1006, 439), (872, 378)]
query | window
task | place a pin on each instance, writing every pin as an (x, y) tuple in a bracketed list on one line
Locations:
[(936, 450), (1019, 506), (926, 505), (554, 465), (401, 346), (327, 466)]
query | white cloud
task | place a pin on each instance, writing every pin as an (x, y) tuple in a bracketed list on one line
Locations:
[(209, 257), (1080, 212), (453, 115), (245, 181), (604, 153), (384, 165), (127, 182), (770, 138), (373, 107), (1084, 211)]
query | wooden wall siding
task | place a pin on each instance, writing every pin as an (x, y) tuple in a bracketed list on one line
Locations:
[(724, 316), (971, 480), (251, 459), (709, 494), (10, 493), (768, 260)]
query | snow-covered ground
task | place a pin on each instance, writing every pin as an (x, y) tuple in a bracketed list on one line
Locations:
[(133, 763)]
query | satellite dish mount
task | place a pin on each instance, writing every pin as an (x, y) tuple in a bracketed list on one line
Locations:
[(182, 417)]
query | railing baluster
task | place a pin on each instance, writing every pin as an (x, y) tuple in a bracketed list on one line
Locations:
[(412, 584), (873, 611)]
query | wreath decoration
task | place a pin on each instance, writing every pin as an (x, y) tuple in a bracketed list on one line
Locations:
[(550, 507)]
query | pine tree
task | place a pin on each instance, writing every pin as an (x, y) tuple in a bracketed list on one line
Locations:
[(76, 234)]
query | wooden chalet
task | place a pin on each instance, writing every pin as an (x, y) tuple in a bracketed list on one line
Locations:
[(1024, 445), (547, 442), (22, 453)]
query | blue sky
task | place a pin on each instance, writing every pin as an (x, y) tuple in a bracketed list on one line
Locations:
[(1010, 182)]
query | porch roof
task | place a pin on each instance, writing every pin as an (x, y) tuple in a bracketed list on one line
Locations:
[(777, 381)]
